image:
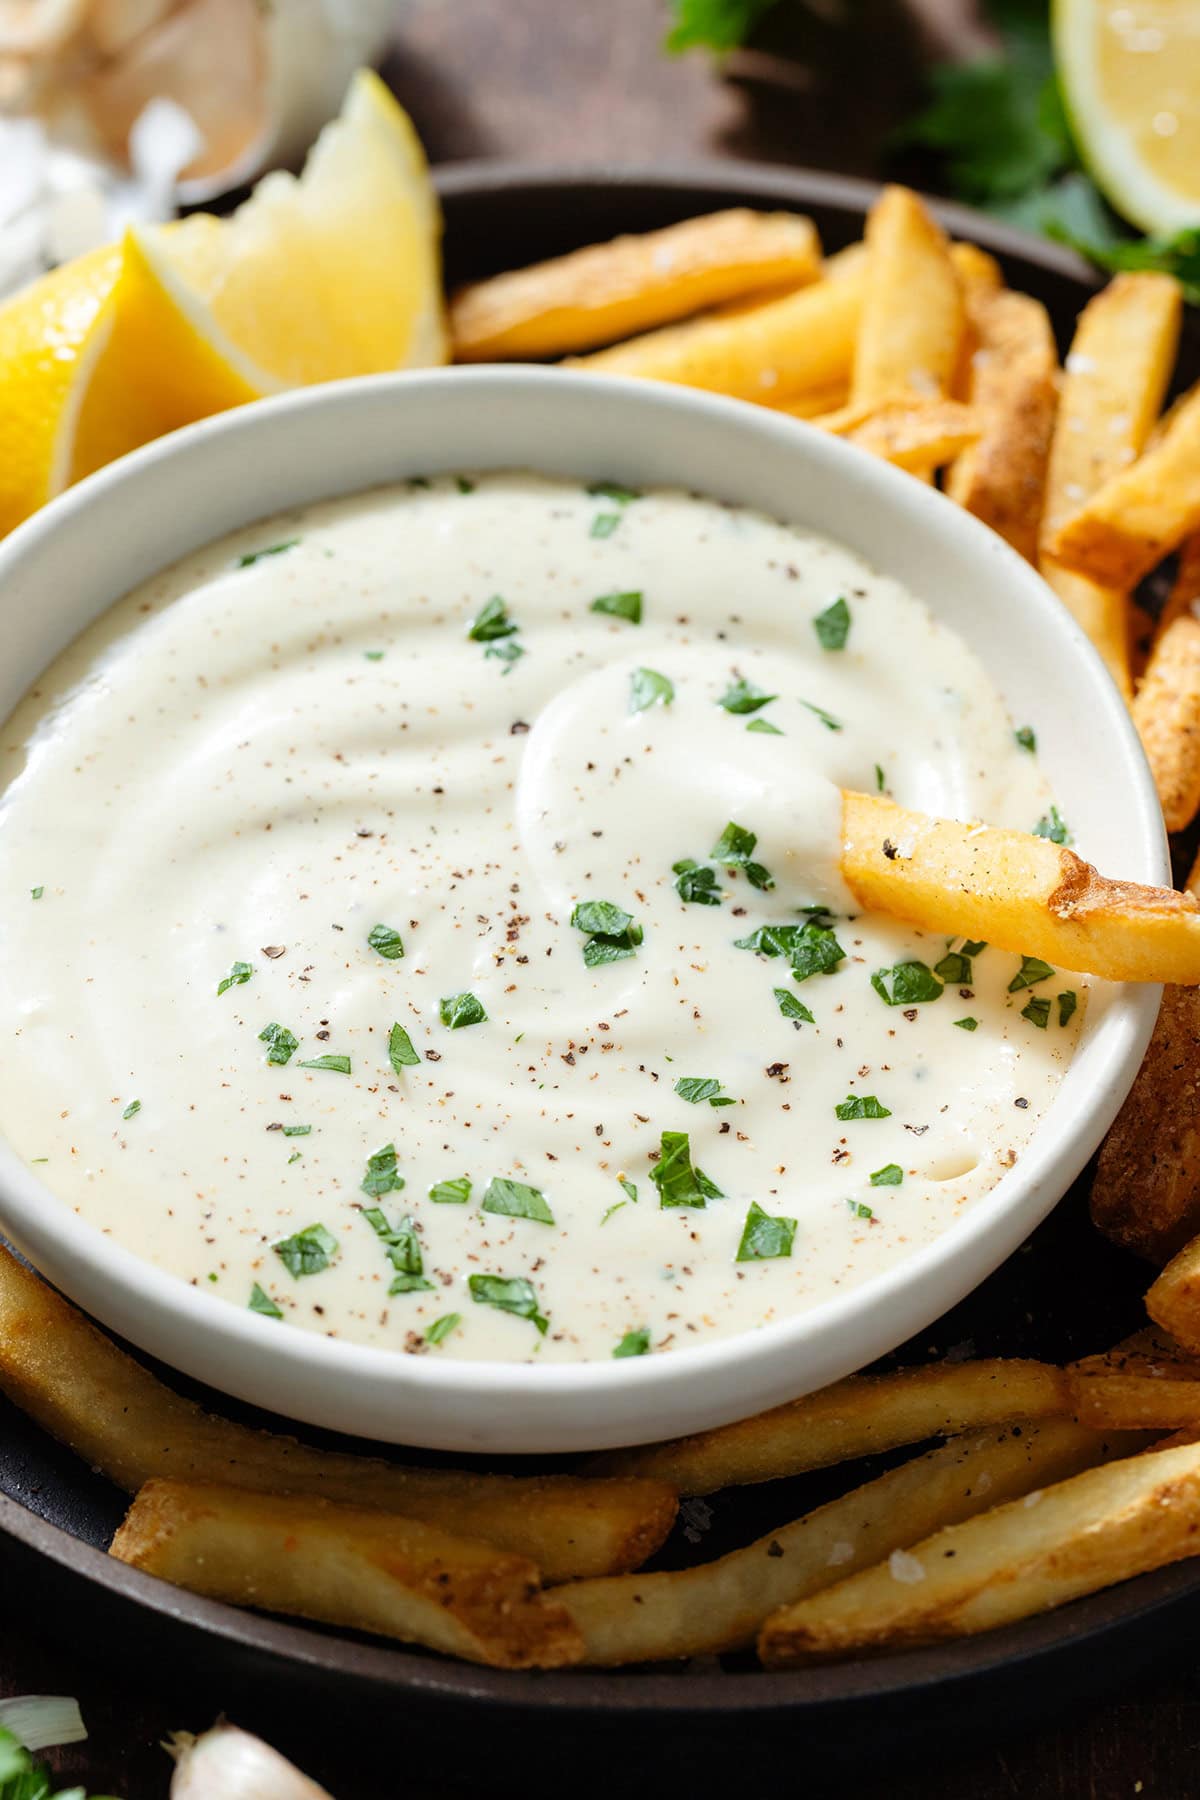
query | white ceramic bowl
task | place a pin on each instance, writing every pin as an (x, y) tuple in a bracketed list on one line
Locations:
[(91, 546)]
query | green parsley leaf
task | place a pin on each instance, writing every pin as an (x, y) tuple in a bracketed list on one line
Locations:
[(630, 1188), (648, 688), (833, 626), (716, 25), (508, 653), (634, 1343), (1067, 1002), (695, 884), (1037, 1012), (954, 969), (765, 726), (373, 655), (132, 1110), (619, 606), (734, 846), (307, 1252), (253, 556), (237, 976), (492, 622), (880, 779), (678, 1183), (511, 1293), (457, 1010), (614, 490), (403, 1248), (1178, 255), (764, 1238), (381, 1176), (281, 1045), (811, 949), (1053, 826), (827, 719), (859, 1211), (698, 1088), (604, 524), (614, 1208), (454, 1192), (261, 1302), (441, 1328), (967, 1024), (36, 893), (1025, 737), (463, 485), (741, 696), (294, 1157), (791, 1008), (401, 1054), (296, 1130), (601, 949), (1031, 971), (891, 1175), (911, 983), (973, 946), (337, 1065), (602, 916), (862, 1106), (387, 941), (516, 1200)]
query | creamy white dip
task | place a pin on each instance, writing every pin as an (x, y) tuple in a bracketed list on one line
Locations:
[(235, 799)]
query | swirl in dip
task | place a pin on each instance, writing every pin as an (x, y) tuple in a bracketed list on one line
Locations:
[(391, 895)]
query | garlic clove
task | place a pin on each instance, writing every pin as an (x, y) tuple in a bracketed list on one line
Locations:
[(227, 1763)]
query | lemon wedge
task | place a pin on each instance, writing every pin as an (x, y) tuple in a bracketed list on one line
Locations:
[(1130, 74), (332, 274)]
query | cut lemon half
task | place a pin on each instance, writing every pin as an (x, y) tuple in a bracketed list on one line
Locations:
[(1130, 74), (335, 273)]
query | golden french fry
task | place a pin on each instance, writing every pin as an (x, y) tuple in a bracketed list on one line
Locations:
[(767, 353), (81, 1388), (720, 1606), (610, 291), (1012, 387), (1146, 1189), (1149, 1351), (1166, 712), (978, 271), (1101, 612), (1137, 1402), (1174, 1300), (1017, 892), (917, 435), (913, 316), (1020, 1559), (346, 1565), (853, 1418), (816, 404)]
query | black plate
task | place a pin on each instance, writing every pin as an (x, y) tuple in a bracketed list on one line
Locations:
[(1066, 1292)]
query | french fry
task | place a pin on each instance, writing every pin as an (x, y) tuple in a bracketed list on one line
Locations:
[(1012, 387), (1174, 1300), (614, 290), (978, 271), (767, 353), (346, 1565), (720, 1605), (1017, 892), (1137, 1402), (913, 316), (817, 404), (1146, 1189), (1023, 1558), (89, 1394), (917, 435), (853, 1418), (1166, 712)]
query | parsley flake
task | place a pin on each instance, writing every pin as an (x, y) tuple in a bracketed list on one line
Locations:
[(253, 556), (954, 969), (296, 1130), (811, 948), (910, 983), (237, 977), (1031, 971), (619, 606), (765, 1238), (307, 1252), (1024, 735), (880, 779), (833, 626), (455, 1191), (441, 1328), (891, 1175), (765, 726), (382, 1176), (36, 893), (634, 1343), (337, 1065), (698, 1088), (516, 1200), (862, 1106), (1037, 1011), (827, 719), (630, 1188), (387, 941), (604, 524), (791, 1008), (261, 1302), (401, 1054), (511, 1293), (734, 848), (742, 696), (695, 884), (457, 1010), (614, 934), (280, 1042), (967, 1024), (403, 1249), (1067, 1002), (678, 1183), (132, 1110), (859, 1211), (614, 490), (1054, 827), (648, 688), (492, 626)]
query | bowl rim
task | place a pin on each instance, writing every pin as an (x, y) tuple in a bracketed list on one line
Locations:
[(26, 1202)]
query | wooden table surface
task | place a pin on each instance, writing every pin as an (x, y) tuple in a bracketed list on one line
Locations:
[(553, 81)]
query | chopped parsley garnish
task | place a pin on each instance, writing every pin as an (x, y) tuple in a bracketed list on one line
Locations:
[(610, 1210), (741, 696), (764, 1237), (511, 1293), (735, 848), (859, 1211), (1053, 826), (634, 1343), (764, 725), (973, 946), (630, 1187), (294, 1157), (455, 1191), (614, 934), (516, 1200), (401, 1054), (1037, 1011), (678, 1183), (493, 627), (237, 976), (387, 941), (614, 490), (954, 969), (833, 626), (791, 1008), (296, 1130), (862, 1106), (891, 1175), (811, 949), (695, 884), (36, 893), (457, 1010), (382, 1176), (648, 688), (403, 1251), (253, 556), (441, 1328), (1067, 1002), (463, 485), (373, 655), (1031, 971), (261, 1302), (880, 779), (338, 1065), (307, 1252), (1025, 737), (698, 1088), (619, 606), (827, 719), (604, 524), (280, 1042), (132, 1110), (967, 1024), (910, 983)]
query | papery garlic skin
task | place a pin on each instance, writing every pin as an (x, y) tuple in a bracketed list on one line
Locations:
[(227, 1763)]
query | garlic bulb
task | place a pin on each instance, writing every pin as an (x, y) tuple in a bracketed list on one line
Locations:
[(229, 1764)]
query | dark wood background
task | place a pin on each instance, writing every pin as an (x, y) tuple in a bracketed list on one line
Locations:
[(554, 81)]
